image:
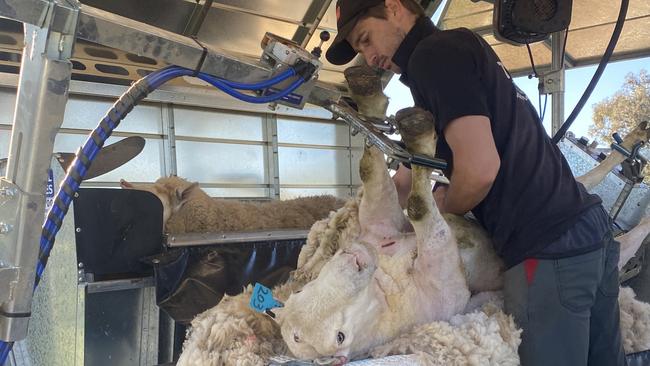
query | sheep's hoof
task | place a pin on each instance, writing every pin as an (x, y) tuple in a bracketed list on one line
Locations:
[(363, 80)]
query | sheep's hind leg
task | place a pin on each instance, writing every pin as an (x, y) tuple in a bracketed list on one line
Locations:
[(438, 260)]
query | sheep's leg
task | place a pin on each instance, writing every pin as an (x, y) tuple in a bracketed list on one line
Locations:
[(632, 240), (380, 214), (438, 265)]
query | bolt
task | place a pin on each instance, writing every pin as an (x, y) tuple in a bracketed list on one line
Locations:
[(76, 195), (81, 265), (5, 228), (78, 230), (155, 261)]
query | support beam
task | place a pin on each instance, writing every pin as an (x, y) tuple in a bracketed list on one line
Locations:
[(557, 66), (40, 106)]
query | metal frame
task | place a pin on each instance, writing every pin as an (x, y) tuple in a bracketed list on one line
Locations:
[(40, 105)]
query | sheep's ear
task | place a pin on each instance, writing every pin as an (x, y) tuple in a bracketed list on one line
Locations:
[(183, 194), (277, 314), (125, 185)]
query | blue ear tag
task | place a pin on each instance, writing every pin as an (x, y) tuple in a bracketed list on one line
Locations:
[(262, 300)]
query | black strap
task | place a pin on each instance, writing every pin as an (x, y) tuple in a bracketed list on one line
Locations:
[(197, 70)]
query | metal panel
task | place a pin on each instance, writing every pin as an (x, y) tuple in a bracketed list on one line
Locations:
[(51, 340), (240, 33), (205, 123), (237, 192), (220, 163), (86, 112), (636, 205), (146, 167), (582, 44), (153, 12), (113, 327), (289, 193), (269, 8), (295, 131), (588, 13), (314, 166)]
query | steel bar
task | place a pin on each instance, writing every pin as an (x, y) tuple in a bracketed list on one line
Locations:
[(557, 65), (40, 106), (192, 239), (102, 27)]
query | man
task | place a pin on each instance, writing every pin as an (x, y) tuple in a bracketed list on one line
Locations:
[(562, 279)]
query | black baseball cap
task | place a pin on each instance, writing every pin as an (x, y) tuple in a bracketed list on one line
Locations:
[(348, 13)]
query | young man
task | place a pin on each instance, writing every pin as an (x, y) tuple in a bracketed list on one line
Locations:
[(562, 279)]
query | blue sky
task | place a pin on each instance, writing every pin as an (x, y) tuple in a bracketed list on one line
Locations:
[(575, 83)]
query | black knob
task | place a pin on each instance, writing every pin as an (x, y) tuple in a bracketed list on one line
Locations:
[(324, 36)]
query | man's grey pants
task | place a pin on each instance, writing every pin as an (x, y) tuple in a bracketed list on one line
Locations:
[(568, 308)]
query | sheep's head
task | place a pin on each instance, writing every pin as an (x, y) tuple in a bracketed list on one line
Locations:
[(334, 315), (172, 191)]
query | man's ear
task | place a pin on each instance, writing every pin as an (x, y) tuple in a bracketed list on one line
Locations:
[(393, 6)]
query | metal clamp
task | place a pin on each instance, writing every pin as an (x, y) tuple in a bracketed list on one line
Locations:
[(381, 141)]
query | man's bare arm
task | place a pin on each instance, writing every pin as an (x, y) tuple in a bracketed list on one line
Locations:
[(476, 163)]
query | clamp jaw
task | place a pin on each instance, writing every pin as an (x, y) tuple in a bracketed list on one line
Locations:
[(632, 167), (374, 131)]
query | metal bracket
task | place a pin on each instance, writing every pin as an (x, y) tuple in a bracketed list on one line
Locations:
[(62, 19), (551, 82)]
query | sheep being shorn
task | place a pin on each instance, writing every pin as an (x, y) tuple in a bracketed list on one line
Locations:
[(391, 277), (188, 209)]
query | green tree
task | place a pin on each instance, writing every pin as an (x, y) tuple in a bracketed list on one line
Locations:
[(624, 110)]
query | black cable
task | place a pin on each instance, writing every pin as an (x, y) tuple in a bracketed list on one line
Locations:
[(530, 54), (599, 71)]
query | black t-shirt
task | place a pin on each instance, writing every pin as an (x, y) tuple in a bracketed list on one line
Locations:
[(534, 198)]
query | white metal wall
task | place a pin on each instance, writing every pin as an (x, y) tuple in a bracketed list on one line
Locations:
[(231, 148)]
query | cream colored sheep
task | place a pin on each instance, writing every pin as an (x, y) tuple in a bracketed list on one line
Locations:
[(187, 208)]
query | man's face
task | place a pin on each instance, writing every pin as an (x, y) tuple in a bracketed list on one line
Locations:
[(377, 40)]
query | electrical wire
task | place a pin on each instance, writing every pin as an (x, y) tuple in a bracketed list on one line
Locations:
[(599, 71)]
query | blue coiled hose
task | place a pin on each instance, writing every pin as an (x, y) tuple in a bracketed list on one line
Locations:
[(136, 93)]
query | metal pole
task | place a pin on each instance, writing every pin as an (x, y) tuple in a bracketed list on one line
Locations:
[(40, 106), (557, 70)]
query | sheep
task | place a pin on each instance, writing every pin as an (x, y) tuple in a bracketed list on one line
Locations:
[(640, 134), (632, 241), (187, 208), (635, 321), (390, 278), (231, 333)]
